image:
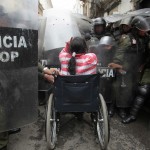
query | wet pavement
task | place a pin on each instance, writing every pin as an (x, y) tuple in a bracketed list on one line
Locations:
[(79, 135)]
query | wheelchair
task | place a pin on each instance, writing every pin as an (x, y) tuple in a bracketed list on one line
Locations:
[(76, 94)]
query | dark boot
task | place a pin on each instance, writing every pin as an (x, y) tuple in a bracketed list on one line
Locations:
[(122, 113), (13, 131), (4, 148), (3, 140), (134, 110)]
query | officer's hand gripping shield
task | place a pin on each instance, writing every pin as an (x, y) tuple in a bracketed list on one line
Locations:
[(18, 63)]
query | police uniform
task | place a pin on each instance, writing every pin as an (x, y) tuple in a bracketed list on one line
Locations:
[(143, 92), (3, 140), (3, 115), (105, 56), (3, 135), (130, 55)]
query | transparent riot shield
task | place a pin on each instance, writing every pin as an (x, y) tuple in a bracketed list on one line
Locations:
[(18, 63), (141, 12), (60, 27), (41, 33), (84, 23)]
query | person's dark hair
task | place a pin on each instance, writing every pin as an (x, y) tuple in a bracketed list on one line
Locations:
[(77, 46)]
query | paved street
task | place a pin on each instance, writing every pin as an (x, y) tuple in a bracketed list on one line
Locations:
[(75, 135)]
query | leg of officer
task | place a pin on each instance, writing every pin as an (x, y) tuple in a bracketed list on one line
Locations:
[(3, 140), (143, 93)]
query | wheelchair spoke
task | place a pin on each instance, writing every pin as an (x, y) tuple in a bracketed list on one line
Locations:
[(51, 125), (100, 120), (100, 127), (102, 124)]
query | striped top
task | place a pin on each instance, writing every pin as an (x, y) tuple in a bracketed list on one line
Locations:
[(85, 63)]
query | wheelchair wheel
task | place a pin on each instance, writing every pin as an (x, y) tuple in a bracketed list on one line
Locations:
[(102, 124), (51, 135)]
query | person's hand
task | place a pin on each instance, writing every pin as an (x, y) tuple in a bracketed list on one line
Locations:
[(115, 66), (49, 78), (51, 71), (68, 44), (49, 74)]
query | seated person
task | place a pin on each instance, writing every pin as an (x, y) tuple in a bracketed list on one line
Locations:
[(75, 60)]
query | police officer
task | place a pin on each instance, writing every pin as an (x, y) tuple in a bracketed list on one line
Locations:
[(98, 31), (3, 140), (106, 52), (4, 83), (142, 95), (125, 25), (116, 31), (99, 28), (143, 90), (4, 21), (128, 59)]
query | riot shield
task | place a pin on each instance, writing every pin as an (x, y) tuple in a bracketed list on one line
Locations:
[(141, 12), (18, 63), (115, 17), (41, 33), (60, 27), (84, 23)]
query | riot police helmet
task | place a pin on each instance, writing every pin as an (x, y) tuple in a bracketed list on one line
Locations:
[(99, 21), (126, 21), (125, 25), (140, 23), (116, 24), (99, 25), (107, 40), (106, 43)]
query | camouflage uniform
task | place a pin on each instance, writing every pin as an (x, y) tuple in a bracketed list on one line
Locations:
[(143, 92), (130, 55)]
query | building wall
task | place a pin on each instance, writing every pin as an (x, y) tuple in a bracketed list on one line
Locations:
[(125, 6), (109, 7), (114, 10), (92, 8), (122, 7), (86, 8), (78, 7), (40, 9), (43, 4)]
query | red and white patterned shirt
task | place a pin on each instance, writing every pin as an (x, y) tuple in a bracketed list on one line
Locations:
[(85, 63)]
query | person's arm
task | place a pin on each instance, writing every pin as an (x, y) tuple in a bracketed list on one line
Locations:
[(46, 70), (118, 59), (65, 50), (124, 44), (47, 73), (40, 67)]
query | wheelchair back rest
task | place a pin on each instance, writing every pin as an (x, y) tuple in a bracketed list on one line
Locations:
[(78, 89)]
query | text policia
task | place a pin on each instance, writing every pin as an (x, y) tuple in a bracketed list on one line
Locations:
[(8, 42)]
